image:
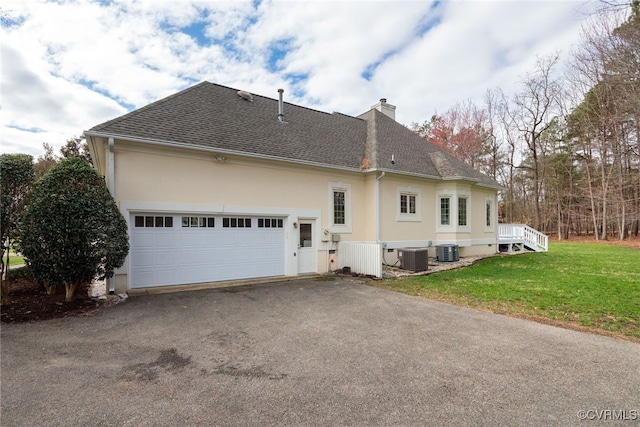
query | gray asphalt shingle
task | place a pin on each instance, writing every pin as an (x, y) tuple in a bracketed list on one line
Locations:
[(212, 116)]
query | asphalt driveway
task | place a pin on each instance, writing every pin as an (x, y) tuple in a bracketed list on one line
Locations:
[(311, 353)]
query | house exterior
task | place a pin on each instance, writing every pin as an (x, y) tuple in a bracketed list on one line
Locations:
[(217, 184)]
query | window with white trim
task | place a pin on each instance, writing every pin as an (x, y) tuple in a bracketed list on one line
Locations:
[(453, 209), (153, 221), (445, 210), (340, 207), (463, 212), (488, 212), (270, 223), (198, 221), (408, 204), (232, 222)]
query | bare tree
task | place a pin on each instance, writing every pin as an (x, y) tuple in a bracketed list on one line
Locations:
[(532, 111), (606, 67)]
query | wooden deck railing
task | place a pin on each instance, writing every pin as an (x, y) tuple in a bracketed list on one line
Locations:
[(520, 234)]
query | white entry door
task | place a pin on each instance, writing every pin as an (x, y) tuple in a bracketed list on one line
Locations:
[(306, 248)]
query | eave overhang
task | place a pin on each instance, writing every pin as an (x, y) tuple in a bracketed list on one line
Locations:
[(171, 144)]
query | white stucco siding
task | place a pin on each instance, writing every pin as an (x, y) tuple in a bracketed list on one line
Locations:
[(401, 230), (182, 177), (179, 182)]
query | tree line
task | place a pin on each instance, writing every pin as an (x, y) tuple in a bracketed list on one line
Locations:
[(565, 145)]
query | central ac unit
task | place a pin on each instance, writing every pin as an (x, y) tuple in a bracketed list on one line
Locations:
[(414, 259), (448, 253)]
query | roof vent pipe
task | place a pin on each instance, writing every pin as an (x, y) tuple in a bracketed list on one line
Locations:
[(280, 105)]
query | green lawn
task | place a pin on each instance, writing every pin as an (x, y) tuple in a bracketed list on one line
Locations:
[(14, 259), (591, 285)]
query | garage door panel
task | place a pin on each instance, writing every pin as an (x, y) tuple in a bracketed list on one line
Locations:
[(165, 240), (188, 256), (143, 259), (164, 256), (145, 240)]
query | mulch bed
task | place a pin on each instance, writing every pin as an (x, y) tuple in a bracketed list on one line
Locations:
[(30, 303)]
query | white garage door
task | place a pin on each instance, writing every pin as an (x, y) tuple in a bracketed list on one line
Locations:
[(184, 249)]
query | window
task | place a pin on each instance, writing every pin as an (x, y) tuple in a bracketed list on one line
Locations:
[(270, 223), (196, 222), (306, 236), (153, 221), (339, 208), (462, 211), (454, 210), (407, 204), (488, 214), (489, 223), (236, 222), (445, 211)]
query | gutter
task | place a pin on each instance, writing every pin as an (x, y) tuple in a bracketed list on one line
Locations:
[(219, 151), (281, 159)]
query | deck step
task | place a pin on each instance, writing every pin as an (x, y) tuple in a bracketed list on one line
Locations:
[(522, 235)]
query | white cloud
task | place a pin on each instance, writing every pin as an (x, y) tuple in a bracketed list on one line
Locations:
[(478, 46), (71, 65)]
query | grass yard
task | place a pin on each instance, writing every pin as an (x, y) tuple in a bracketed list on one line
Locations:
[(14, 259), (579, 285)]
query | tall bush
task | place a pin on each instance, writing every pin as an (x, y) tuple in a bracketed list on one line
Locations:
[(73, 231)]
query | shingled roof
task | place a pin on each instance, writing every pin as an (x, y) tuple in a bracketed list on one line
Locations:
[(213, 117)]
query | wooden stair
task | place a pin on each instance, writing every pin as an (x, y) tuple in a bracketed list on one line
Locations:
[(518, 237)]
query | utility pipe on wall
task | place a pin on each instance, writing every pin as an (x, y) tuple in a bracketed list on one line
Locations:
[(280, 106)]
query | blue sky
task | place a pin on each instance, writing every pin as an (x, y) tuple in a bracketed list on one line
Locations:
[(70, 65)]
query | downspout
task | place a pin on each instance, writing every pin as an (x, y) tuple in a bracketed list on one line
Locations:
[(378, 222), (112, 168), (112, 189)]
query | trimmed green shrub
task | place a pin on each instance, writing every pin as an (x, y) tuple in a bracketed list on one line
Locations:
[(73, 231)]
